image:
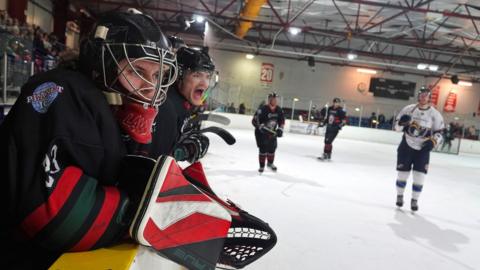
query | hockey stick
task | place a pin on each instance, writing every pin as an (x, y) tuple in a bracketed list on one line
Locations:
[(222, 133), (269, 131)]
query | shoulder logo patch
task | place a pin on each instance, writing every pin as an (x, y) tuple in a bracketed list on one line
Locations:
[(43, 96)]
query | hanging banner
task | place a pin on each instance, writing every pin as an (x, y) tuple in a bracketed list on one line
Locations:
[(450, 102), (266, 73), (478, 109), (435, 94)]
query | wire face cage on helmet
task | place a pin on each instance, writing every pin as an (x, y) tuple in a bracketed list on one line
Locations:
[(130, 42), (133, 53)]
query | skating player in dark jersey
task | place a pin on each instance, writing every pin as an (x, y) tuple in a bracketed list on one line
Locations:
[(335, 118), (268, 122)]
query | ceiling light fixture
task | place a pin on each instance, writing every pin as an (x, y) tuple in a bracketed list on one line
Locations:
[(249, 56), (294, 30), (465, 83), (366, 70), (352, 56), (422, 66), (433, 67), (199, 18)]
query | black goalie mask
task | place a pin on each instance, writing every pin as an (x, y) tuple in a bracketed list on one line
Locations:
[(133, 37)]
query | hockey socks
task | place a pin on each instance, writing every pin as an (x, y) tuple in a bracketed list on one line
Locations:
[(261, 159)]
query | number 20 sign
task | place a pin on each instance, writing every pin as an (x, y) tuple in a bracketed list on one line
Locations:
[(266, 75)]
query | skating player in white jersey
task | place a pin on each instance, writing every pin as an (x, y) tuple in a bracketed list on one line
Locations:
[(422, 127)]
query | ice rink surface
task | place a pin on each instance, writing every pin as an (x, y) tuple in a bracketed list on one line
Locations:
[(342, 215)]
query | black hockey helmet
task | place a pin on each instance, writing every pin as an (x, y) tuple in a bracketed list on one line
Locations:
[(190, 59), (176, 43), (273, 95), (131, 36), (424, 91), (337, 100)]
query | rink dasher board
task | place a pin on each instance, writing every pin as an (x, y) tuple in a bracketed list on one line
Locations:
[(119, 257)]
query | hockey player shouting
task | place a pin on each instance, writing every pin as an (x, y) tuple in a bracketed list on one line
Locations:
[(195, 78), (335, 118), (422, 127), (268, 122)]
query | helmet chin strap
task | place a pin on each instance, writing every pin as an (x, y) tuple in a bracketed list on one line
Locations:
[(113, 98)]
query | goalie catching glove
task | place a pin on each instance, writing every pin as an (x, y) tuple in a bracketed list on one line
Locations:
[(249, 237)]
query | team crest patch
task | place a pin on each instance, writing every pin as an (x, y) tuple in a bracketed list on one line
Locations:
[(43, 96)]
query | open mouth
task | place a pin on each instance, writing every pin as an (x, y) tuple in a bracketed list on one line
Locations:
[(198, 93)]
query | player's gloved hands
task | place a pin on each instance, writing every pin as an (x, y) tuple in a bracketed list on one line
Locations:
[(191, 148), (279, 132), (261, 127), (429, 144), (321, 124), (404, 120), (341, 125)]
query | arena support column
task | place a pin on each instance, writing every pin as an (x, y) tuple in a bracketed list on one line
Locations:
[(60, 11), (17, 8)]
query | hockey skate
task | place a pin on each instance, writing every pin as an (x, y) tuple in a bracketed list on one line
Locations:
[(272, 167), (261, 169), (414, 205), (325, 157), (399, 202), (249, 237)]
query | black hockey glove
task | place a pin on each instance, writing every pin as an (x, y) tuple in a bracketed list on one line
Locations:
[(429, 144), (341, 125), (279, 132), (321, 123), (191, 148), (404, 120)]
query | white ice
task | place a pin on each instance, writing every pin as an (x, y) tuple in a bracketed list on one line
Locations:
[(342, 214)]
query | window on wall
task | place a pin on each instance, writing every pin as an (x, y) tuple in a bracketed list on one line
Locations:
[(39, 12)]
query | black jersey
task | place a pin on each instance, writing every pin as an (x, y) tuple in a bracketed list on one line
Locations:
[(333, 116), (270, 118), (167, 128), (61, 149)]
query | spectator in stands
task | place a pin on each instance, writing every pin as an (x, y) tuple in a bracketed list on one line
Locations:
[(50, 60), (231, 108), (448, 137), (241, 108), (2, 15), (381, 120), (373, 120), (471, 133)]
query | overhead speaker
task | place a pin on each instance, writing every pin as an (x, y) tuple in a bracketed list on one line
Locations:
[(311, 61), (455, 79)]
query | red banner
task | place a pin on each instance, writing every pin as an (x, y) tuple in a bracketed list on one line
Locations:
[(266, 73), (435, 94), (450, 103)]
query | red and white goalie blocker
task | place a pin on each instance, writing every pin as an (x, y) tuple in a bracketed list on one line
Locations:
[(181, 217)]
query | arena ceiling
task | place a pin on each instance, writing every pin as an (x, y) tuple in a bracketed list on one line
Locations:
[(393, 36)]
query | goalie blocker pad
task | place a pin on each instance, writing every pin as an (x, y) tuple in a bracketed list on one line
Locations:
[(249, 237), (179, 220)]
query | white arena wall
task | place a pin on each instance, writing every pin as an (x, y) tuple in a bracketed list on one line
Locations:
[(240, 121)]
